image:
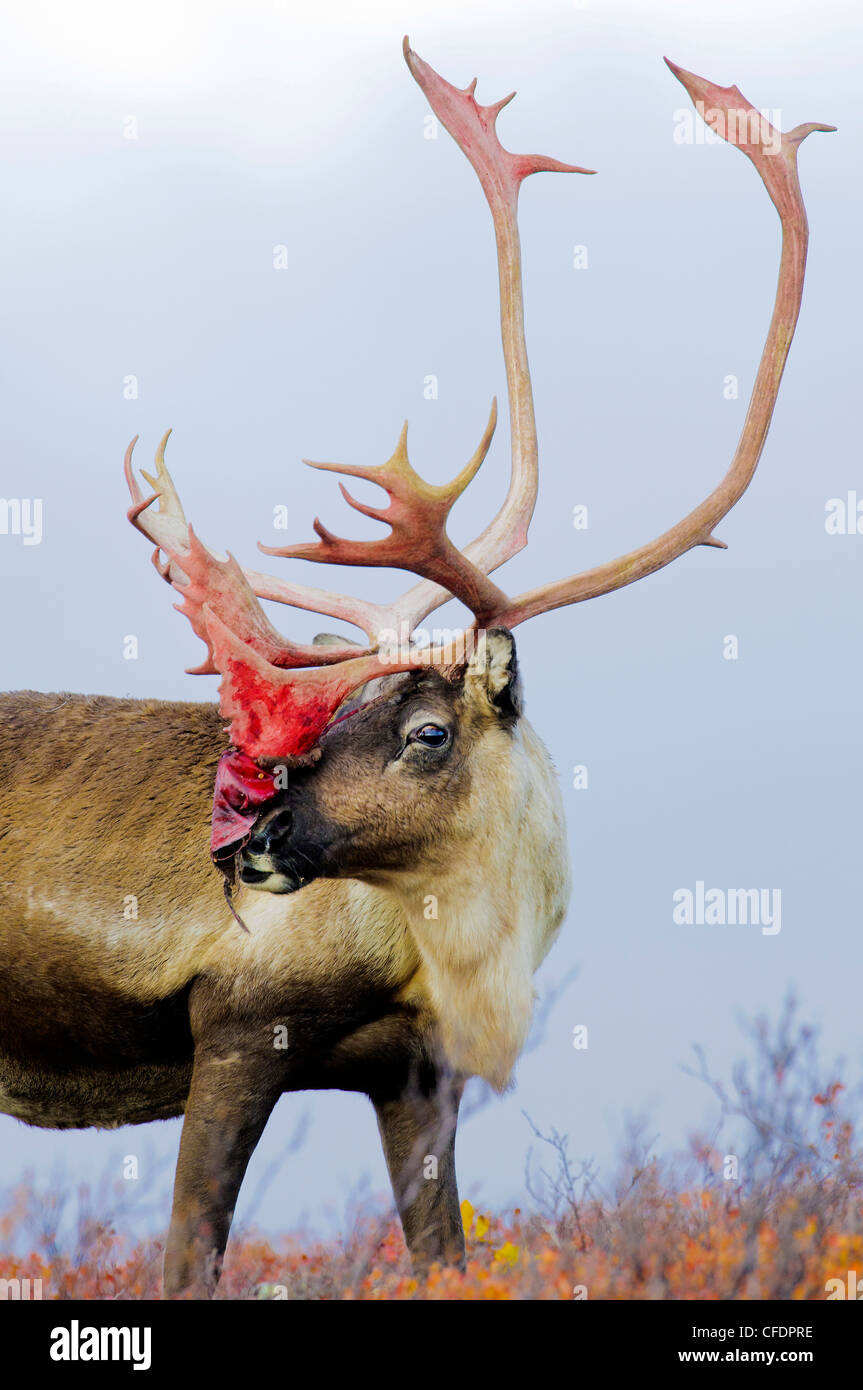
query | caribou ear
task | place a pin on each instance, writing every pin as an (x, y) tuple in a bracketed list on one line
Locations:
[(493, 672)]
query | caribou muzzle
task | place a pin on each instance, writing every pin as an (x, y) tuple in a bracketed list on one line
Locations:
[(278, 859)]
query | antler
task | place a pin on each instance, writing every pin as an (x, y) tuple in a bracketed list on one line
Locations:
[(417, 515), (423, 546), (501, 174), (204, 580), (276, 708), (169, 525), (417, 512), (774, 155)]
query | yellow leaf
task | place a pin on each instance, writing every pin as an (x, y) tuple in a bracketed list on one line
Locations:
[(482, 1227), (507, 1254), (466, 1216)]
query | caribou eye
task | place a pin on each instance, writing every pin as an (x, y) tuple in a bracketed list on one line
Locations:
[(430, 736)]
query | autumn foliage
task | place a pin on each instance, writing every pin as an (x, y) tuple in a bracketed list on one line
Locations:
[(776, 1219)]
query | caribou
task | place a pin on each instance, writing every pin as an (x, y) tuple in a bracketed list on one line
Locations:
[(387, 859)]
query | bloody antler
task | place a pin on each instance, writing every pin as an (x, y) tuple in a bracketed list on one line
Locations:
[(168, 526), (276, 708), (203, 580)]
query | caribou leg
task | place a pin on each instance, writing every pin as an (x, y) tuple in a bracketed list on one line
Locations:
[(231, 1097), (417, 1131)]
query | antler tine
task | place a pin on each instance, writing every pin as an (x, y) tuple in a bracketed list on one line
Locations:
[(400, 479), (417, 515), (501, 174), (370, 618), (774, 155), (163, 483), (170, 523), (207, 582)]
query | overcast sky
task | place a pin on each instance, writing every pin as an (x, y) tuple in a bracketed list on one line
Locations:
[(154, 157)]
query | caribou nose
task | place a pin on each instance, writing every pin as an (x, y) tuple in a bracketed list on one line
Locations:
[(270, 833)]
